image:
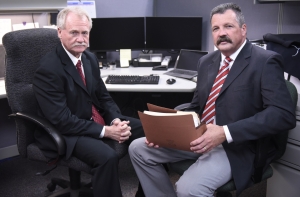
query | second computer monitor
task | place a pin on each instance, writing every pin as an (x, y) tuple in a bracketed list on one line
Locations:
[(113, 34), (173, 33)]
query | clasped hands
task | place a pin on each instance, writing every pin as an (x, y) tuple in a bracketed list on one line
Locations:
[(213, 136), (119, 130)]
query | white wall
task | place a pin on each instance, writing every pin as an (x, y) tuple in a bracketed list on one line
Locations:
[(124, 8)]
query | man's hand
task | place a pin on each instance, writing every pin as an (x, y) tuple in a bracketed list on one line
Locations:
[(213, 136), (119, 131), (150, 144)]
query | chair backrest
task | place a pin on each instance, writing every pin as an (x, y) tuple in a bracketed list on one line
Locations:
[(281, 139), (24, 50)]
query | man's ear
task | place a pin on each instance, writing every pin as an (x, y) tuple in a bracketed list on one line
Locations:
[(59, 33), (244, 29)]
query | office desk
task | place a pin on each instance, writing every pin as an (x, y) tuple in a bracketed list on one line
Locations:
[(133, 98), (181, 85)]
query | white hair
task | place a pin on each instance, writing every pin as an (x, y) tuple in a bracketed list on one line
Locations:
[(62, 15)]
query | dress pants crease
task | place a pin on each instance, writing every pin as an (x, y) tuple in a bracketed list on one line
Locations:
[(104, 162), (209, 172)]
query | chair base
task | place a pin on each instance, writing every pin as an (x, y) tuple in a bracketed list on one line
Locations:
[(223, 194), (72, 188), (68, 192)]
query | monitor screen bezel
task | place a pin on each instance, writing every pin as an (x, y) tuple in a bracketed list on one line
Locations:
[(126, 29), (160, 27)]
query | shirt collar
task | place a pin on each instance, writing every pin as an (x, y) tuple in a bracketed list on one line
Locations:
[(72, 57), (235, 54)]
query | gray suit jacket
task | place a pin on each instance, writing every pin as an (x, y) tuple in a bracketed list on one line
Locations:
[(254, 103)]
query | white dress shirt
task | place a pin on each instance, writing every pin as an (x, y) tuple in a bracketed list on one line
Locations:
[(233, 58)]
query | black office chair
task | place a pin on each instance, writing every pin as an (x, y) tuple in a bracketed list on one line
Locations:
[(24, 49), (281, 141)]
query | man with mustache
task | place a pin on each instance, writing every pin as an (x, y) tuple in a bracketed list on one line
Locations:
[(223, 39), (242, 96), (73, 97)]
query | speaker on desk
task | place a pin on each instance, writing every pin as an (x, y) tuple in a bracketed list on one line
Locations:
[(135, 62), (102, 58)]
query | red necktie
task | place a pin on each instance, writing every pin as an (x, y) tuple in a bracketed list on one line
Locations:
[(95, 114), (208, 115)]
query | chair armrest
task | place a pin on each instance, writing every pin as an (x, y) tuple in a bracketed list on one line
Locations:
[(182, 106), (47, 126)]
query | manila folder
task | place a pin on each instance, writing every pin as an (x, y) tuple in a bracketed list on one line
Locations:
[(171, 131)]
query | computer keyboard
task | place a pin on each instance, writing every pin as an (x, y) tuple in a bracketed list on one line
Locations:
[(132, 79)]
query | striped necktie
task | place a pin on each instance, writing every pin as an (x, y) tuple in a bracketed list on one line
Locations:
[(208, 114), (95, 114)]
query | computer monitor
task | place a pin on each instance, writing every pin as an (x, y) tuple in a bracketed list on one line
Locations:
[(173, 33), (113, 34)]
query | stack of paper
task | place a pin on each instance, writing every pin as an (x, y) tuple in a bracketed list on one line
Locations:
[(5, 27), (25, 26), (178, 113), (125, 56)]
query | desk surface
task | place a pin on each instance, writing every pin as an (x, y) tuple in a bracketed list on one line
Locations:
[(181, 85)]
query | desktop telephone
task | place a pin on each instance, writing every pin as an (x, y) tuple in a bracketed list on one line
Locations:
[(164, 64), (160, 67)]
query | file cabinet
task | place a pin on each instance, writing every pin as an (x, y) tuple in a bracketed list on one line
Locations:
[(286, 172)]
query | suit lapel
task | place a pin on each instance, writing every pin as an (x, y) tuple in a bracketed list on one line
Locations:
[(88, 72), (212, 71), (69, 67), (238, 66)]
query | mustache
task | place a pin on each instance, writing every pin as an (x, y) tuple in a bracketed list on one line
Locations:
[(79, 44), (224, 39)]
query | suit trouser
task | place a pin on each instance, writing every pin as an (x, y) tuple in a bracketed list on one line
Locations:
[(209, 172), (104, 161)]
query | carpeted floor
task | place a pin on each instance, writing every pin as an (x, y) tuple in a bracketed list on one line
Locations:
[(17, 179)]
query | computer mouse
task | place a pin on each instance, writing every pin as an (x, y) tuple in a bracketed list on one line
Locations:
[(171, 81)]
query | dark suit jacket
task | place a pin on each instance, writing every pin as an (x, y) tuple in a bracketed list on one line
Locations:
[(254, 103), (67, 103)]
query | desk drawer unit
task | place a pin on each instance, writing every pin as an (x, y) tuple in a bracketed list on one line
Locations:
[(291, 156), (286, 172), (294, 135), (284, 183)]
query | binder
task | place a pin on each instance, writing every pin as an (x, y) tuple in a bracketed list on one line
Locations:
[(170, 131)]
